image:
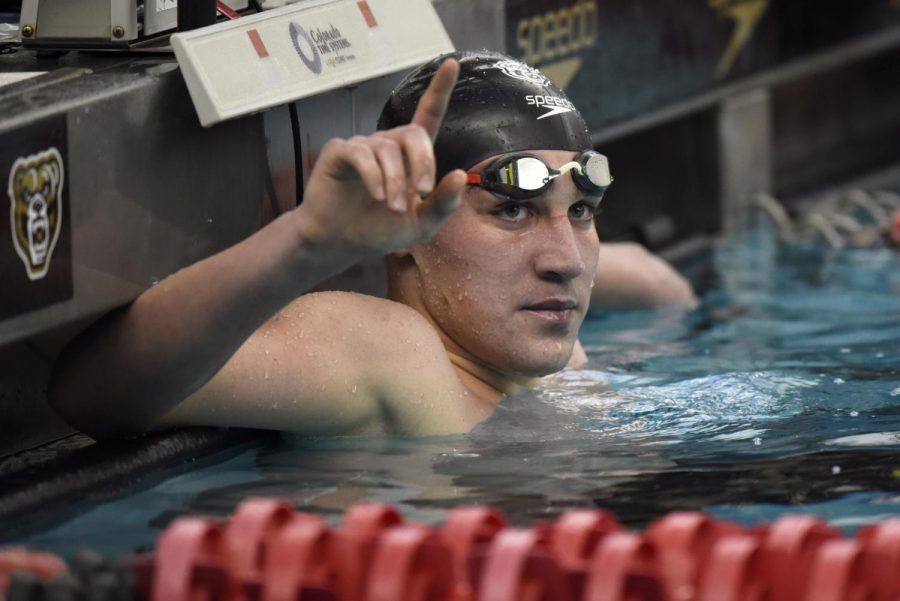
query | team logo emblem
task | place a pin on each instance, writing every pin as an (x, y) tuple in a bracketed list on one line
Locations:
[(298, 36), (36, 211), (522, 71)]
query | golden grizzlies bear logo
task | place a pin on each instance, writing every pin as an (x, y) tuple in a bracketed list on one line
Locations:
[(35, 196)]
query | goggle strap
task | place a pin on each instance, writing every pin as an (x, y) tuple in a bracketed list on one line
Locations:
[(569, 166)]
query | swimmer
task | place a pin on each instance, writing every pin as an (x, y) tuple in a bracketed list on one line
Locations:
[(481, 193)]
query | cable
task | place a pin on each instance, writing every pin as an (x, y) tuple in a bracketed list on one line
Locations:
[(298, 151)]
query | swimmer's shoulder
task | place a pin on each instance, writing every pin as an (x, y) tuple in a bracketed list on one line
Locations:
[(364, 316), (369, 328), (394, 350)]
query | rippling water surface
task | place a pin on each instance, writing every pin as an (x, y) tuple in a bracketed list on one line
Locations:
[(780, 394)]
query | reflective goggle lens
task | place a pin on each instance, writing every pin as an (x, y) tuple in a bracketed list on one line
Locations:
[(526, 176), (595, 169), (527, 173)]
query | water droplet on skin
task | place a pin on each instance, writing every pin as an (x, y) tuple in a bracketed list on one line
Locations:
[(459, 297), (267, 375), (267, 352), (468, 276), (275, 406), (353, 391)]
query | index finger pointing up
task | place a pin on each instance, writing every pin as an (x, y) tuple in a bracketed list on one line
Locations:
[(433, 103)]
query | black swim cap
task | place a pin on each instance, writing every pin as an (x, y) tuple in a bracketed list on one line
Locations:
[(499, 105)]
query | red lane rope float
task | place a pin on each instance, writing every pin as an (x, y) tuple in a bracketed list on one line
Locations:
[(839, 573), (734, 571), (884, 541), (467, 532), (299, 565), (686, 539), (625, 567), (577, 534), (354, 546), (45, 566), (269, 552), (411, 563), (248, 535), (192, 562), (519, 567), (789, 548), (575, 538)]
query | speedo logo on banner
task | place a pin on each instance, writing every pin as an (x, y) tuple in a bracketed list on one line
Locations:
[(35, 211), (553, 104)]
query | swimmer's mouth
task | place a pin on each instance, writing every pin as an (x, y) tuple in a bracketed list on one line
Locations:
[(557, 310)]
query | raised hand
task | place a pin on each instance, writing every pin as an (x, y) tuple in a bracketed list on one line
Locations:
[(366, 193)]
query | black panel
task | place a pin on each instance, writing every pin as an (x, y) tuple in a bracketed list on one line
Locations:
[(620, 58), (36, 252)]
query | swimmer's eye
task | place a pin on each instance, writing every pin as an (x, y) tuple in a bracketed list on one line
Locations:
[(513, 212), (582, 211)]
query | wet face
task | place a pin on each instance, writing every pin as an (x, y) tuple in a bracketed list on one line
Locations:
[(507, 282)]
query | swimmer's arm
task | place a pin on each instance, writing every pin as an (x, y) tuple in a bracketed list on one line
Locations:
[(364, 198), (331, 363), (125, 372), (629, 277)]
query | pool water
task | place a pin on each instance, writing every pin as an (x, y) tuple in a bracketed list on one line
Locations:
[(780, 394)]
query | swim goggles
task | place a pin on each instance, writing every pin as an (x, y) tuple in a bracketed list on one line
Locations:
[(523, 175)]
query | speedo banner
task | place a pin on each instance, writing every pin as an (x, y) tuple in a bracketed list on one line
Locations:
[(621, 58)]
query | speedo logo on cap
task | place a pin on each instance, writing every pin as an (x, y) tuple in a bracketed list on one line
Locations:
[(554, 104)]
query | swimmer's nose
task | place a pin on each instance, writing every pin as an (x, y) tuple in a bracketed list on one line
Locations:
[(559, 256)]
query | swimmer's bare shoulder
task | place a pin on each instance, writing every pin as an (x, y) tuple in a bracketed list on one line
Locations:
[(337, 363)]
